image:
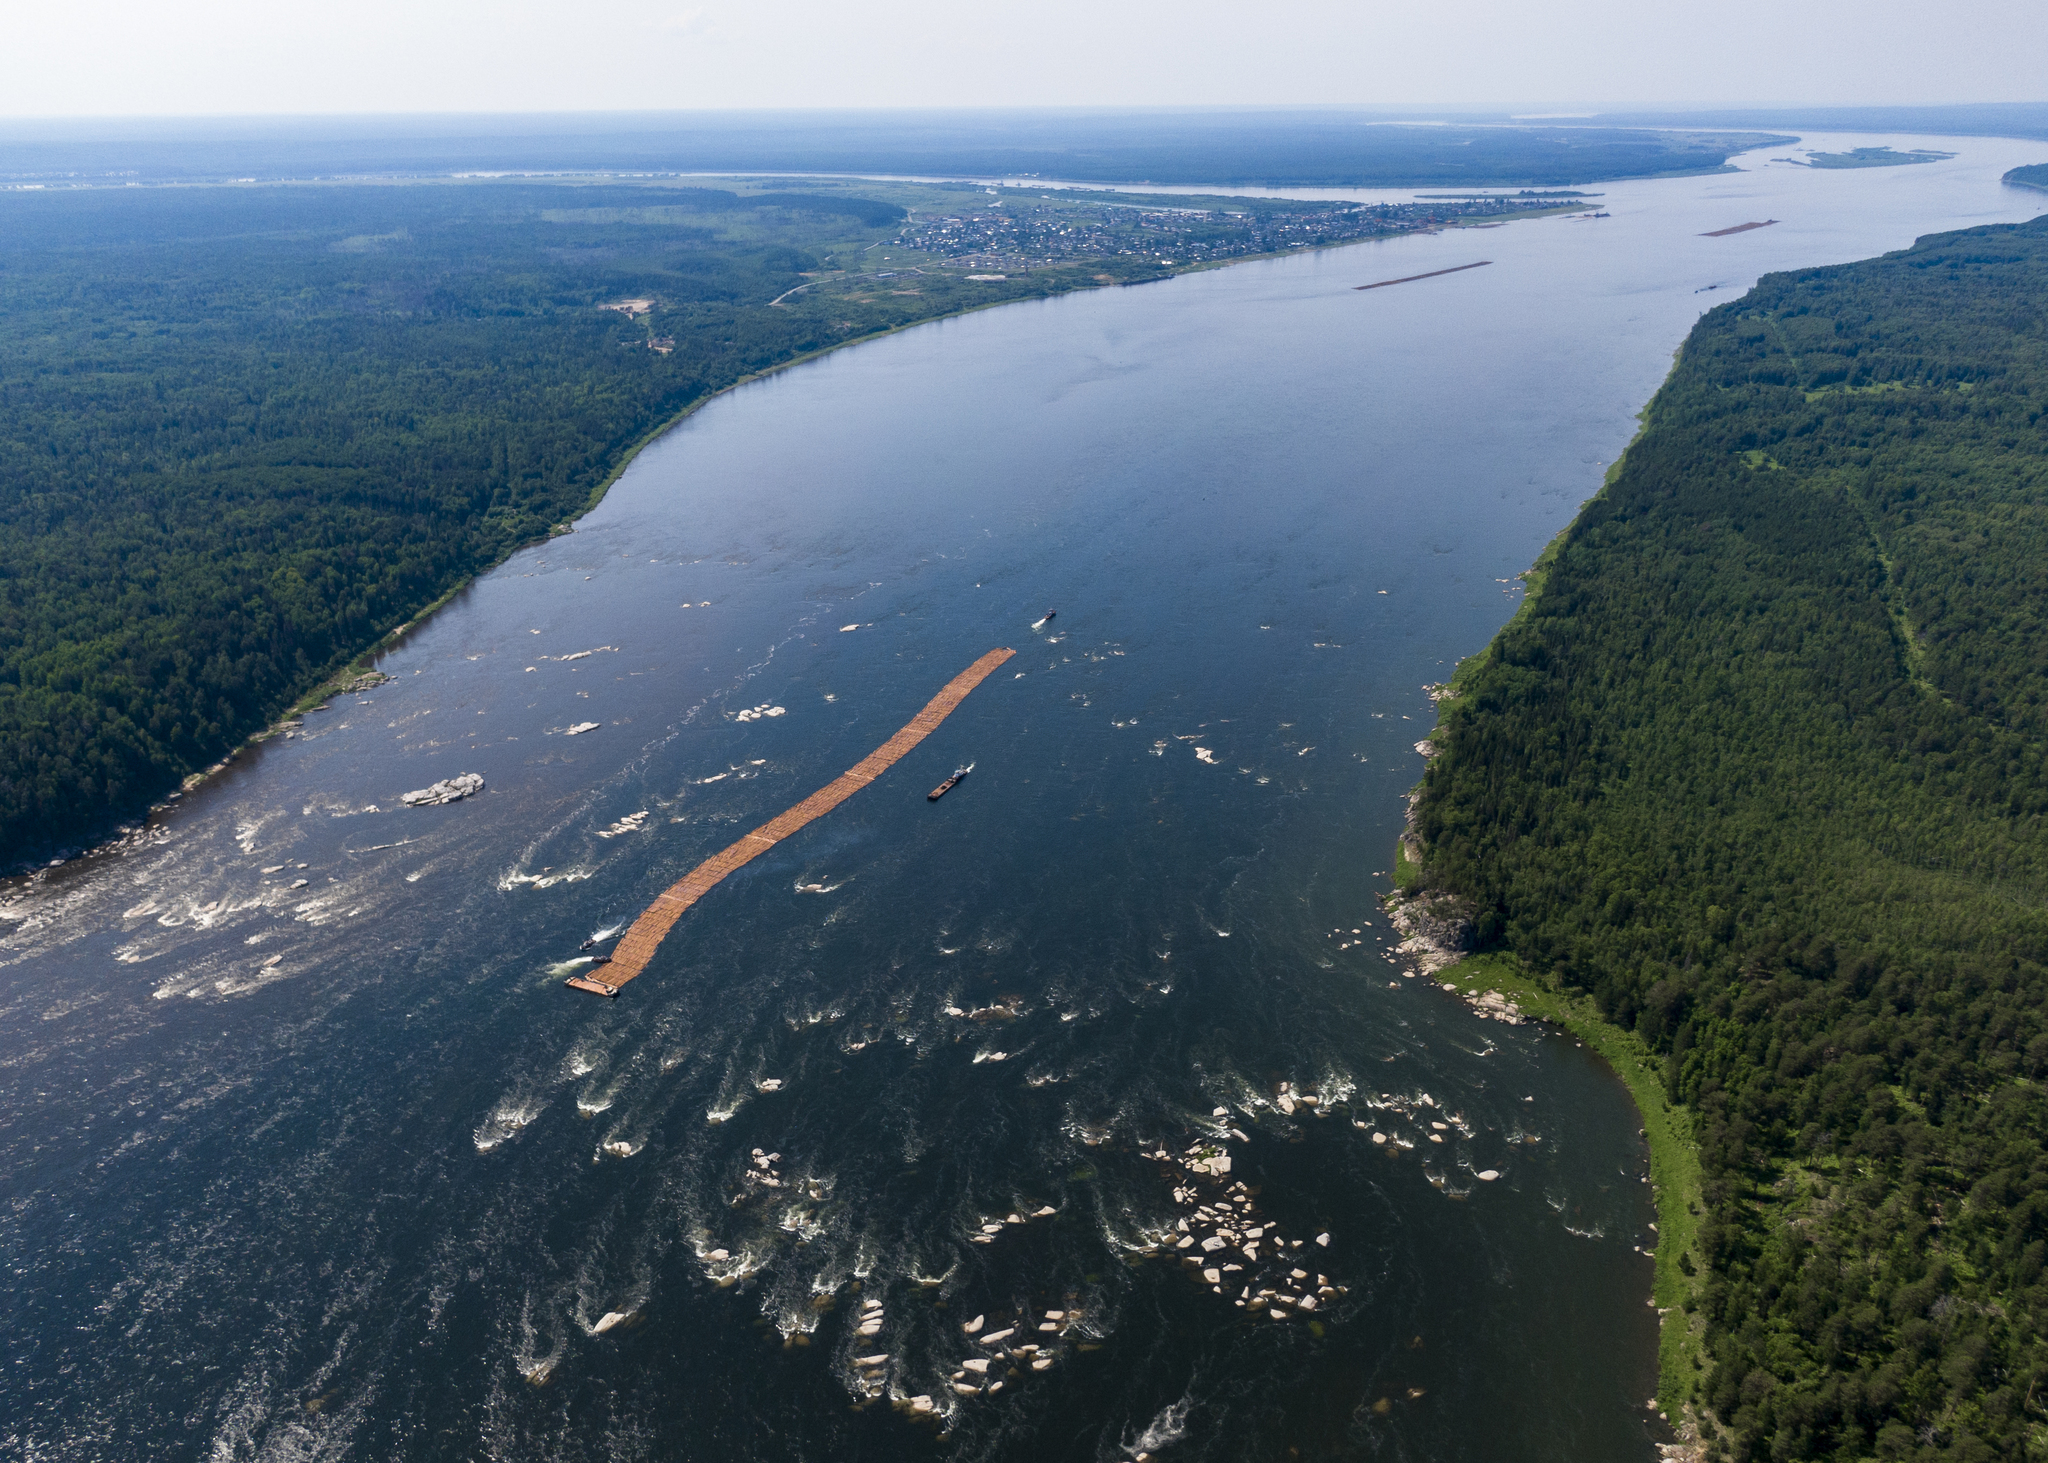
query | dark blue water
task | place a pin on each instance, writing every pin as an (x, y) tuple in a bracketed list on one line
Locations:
[(342, 1170)]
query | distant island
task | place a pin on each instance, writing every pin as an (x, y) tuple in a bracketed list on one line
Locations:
[(2034, 175), (1867, 157), (1753, 793)]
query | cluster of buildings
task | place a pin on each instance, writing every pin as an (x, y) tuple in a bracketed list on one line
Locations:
[(1018, 235)]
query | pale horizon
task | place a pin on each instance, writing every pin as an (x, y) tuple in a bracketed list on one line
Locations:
[(238, 59)]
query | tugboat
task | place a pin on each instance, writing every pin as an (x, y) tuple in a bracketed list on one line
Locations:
[(949, 784)]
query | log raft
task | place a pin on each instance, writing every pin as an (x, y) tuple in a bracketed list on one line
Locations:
[(639, 943)]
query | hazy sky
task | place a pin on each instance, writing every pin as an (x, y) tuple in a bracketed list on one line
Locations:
[(107, 57)]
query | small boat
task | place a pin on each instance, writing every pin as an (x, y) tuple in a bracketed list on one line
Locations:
[(949, 784), (1048, 615)]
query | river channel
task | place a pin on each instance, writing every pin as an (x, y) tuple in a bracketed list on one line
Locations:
[(308, 1152)]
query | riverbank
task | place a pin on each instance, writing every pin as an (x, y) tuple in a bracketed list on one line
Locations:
[(1674, 1154)]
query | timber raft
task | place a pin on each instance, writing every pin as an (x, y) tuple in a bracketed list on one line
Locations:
[(639, 943)]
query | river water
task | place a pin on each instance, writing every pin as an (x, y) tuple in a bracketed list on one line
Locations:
[(307, 1152)]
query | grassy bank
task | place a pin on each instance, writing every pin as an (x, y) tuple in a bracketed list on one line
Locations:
[(1674, 1155)]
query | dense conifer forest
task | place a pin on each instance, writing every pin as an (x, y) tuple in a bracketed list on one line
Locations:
[(1760, 765)]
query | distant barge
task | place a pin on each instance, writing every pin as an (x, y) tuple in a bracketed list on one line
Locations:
[(1411, 278), (949, 784)]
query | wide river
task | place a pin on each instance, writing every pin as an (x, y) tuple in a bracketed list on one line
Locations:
[(307, 1152)]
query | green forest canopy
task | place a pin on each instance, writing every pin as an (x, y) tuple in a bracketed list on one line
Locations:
[(1760, 765)]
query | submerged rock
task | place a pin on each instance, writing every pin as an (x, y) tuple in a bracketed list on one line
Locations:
[(453, 790)]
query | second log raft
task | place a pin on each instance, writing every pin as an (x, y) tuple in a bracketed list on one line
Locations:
[(639, 943)]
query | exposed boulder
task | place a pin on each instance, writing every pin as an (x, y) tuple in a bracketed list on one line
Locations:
[(453, 790)]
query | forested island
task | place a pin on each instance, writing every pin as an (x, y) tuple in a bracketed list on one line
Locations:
[(247, 431), (1870, 157), (1757, 776)]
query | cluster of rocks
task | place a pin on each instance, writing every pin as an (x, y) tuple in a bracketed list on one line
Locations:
[(451, 790), (1425, 1127), (1289, 1102), (1491, 1005), (1012, 1350), (1006, 1351), (367, 681), (1437, 933), (990, 1228), (1223, 1241), (1003, 1008), (1688, 1449), (1348, 938), (1436, 930), (128, 838), (631, 823), (761, 1175)]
